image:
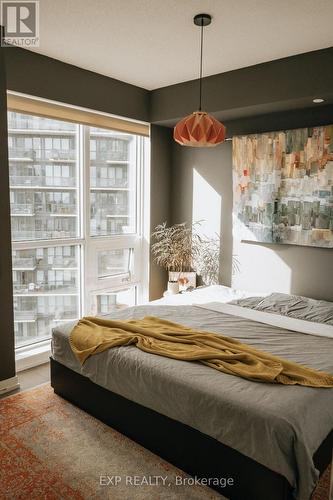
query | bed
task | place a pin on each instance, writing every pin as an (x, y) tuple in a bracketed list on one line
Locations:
[(273, 441)]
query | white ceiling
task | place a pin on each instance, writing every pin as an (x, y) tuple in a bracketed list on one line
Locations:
[(154, 43)]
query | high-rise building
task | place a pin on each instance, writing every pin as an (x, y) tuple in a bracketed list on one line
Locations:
[(59, 193)]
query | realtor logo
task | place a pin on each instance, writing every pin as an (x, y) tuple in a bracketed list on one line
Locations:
[(20, 21)]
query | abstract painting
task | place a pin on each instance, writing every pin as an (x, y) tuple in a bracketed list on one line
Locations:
[(283, 187)]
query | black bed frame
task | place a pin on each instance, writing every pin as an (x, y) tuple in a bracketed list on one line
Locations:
[(192, 451)]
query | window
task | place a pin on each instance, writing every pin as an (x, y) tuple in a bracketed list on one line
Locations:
[(112, 183), (114, 262), (76, 194), (46, 287), (107, 302), (40, 151)]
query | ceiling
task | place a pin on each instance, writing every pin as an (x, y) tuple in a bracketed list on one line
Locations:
[(154, 43)]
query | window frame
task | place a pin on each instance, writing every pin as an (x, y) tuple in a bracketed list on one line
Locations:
[(88, 246), (95, 244)]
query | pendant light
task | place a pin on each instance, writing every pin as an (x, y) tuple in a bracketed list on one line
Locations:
[(200, 129)]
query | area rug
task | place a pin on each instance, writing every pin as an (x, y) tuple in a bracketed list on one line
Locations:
[(50, 449)]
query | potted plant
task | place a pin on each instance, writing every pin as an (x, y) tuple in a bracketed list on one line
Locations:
[(207, 260), (174, 249)]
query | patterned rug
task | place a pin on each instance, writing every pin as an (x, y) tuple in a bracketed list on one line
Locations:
[(49, 449)]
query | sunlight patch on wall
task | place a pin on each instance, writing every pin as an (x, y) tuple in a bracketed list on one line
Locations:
[(206, 206), (261, 270)]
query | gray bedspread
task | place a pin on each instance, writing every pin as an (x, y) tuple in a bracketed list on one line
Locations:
[(278, 426)]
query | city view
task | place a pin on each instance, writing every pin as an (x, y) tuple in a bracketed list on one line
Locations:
[(46, 190)]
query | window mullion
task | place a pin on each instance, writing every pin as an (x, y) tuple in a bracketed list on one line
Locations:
[(85, 149)]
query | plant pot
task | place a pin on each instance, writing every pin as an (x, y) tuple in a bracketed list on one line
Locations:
[(173, 287), (185, 279)]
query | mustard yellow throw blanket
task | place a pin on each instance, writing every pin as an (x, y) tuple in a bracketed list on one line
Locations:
[(158, 336)]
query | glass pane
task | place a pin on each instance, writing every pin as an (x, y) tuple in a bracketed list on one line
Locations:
[(46, 291), (112, 182), (114, 262), (108, 302), (43, 177)]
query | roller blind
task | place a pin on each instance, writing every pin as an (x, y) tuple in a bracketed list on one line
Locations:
[(32, 106)]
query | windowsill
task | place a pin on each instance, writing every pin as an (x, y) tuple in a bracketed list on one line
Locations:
[(32, 355)]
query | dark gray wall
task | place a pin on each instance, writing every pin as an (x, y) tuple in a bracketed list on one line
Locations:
[(280, 85), (285, 268), (161, 149), (42, 76), (321, 114), (201, 190), (271, 96), (7, 359)]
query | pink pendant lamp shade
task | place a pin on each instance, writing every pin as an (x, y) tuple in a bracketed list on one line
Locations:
[(200, 129)]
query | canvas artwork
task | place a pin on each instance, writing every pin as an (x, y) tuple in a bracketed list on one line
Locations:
[(283, 187)]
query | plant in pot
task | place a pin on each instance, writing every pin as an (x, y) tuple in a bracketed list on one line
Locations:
[(174, 249), (207, 260)]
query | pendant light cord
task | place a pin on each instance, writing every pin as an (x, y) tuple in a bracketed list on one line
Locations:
[(200, 80)]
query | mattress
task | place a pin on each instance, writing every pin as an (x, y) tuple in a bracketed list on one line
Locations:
[(278, 426)]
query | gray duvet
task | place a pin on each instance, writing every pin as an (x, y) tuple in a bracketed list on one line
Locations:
[(294, 306), (278, 426)]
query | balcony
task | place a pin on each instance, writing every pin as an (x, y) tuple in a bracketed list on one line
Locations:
[(21, 154), (41, 155), (29, 316), (18, 235), (41, 181), (108, 182), (39, 132), (56, 155), (24, 180), (117, 211), (59, 181), (28, 123), (65, 316), (46, 288), (62, 209), (64, 263), (24, 264), (22, 209), (120, 157), (117, 216)]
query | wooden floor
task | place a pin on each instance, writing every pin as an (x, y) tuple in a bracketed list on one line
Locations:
[(31, 378)]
